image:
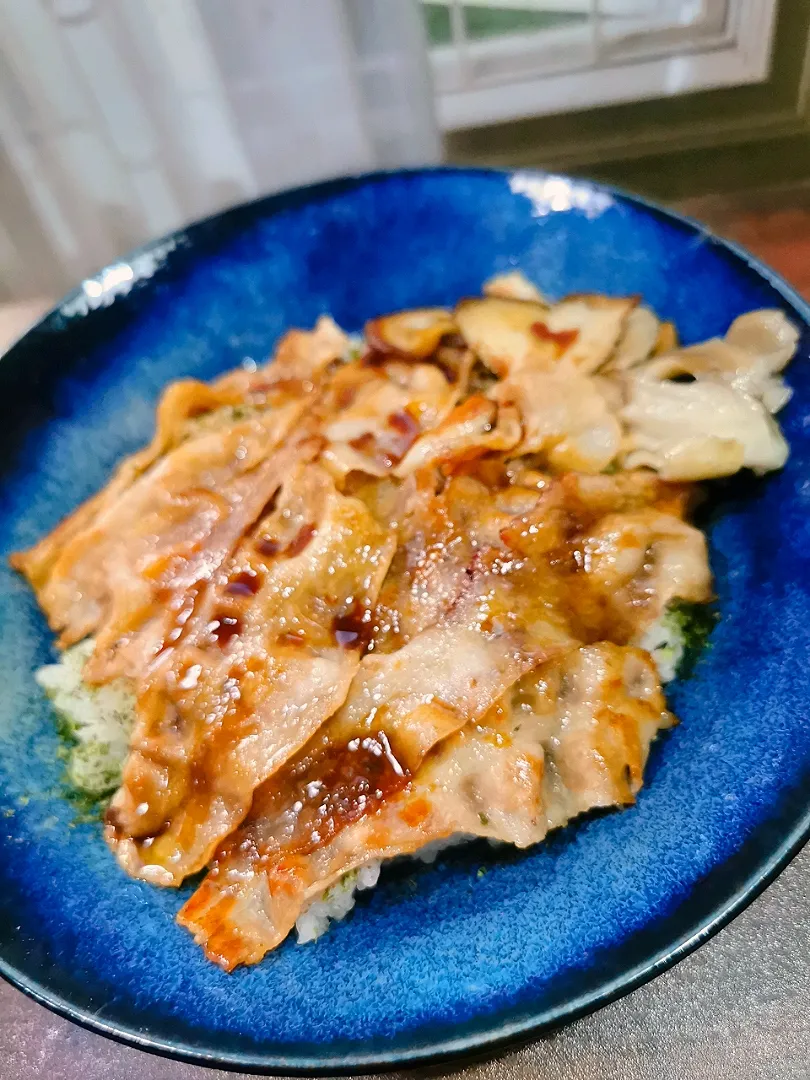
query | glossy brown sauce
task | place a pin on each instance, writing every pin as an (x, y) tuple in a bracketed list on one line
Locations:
[(389, 447), (270, 546), (353, 628), (345, 396), (341, 785), (224, 627), (374, 358), (269, 506), (245, 583), (301, 539), (404, 424), (368, 445), (561, 339)]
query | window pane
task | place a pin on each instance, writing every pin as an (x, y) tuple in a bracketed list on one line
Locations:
[(481, 21), (437, 19), (484, 22)]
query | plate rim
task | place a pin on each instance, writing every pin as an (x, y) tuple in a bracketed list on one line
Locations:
[(497, 1035)]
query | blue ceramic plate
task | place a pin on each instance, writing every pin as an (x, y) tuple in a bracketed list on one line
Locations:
[(484, 946)]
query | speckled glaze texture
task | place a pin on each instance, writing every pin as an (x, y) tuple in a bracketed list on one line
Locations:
[(437, 959)]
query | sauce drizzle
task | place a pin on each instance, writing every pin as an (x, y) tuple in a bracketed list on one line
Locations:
[(223, 627), (561, 339)]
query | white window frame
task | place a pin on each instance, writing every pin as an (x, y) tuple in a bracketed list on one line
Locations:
[(514, 76)]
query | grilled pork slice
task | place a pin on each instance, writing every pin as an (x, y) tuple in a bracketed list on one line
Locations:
[(610, 551), (265, 657), (400, 705), (380, 405), (510, 334), (571, 736), (119, 566)]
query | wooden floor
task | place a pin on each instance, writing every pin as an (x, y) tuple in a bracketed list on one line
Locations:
[(773, 224)]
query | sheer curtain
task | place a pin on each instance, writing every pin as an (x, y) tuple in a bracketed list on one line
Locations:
[(122, 119)]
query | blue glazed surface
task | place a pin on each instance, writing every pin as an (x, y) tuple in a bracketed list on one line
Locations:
[(444, 958)]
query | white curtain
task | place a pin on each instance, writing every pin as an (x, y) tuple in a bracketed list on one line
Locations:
[(123, 119)]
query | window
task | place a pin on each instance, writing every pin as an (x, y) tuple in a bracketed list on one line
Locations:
[(498, 60)]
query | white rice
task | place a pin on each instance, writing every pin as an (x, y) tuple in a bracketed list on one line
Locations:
[(664, 642), (335, 902), (98, 718)]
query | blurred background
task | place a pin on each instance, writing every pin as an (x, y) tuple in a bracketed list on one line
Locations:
[(120, 120)]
